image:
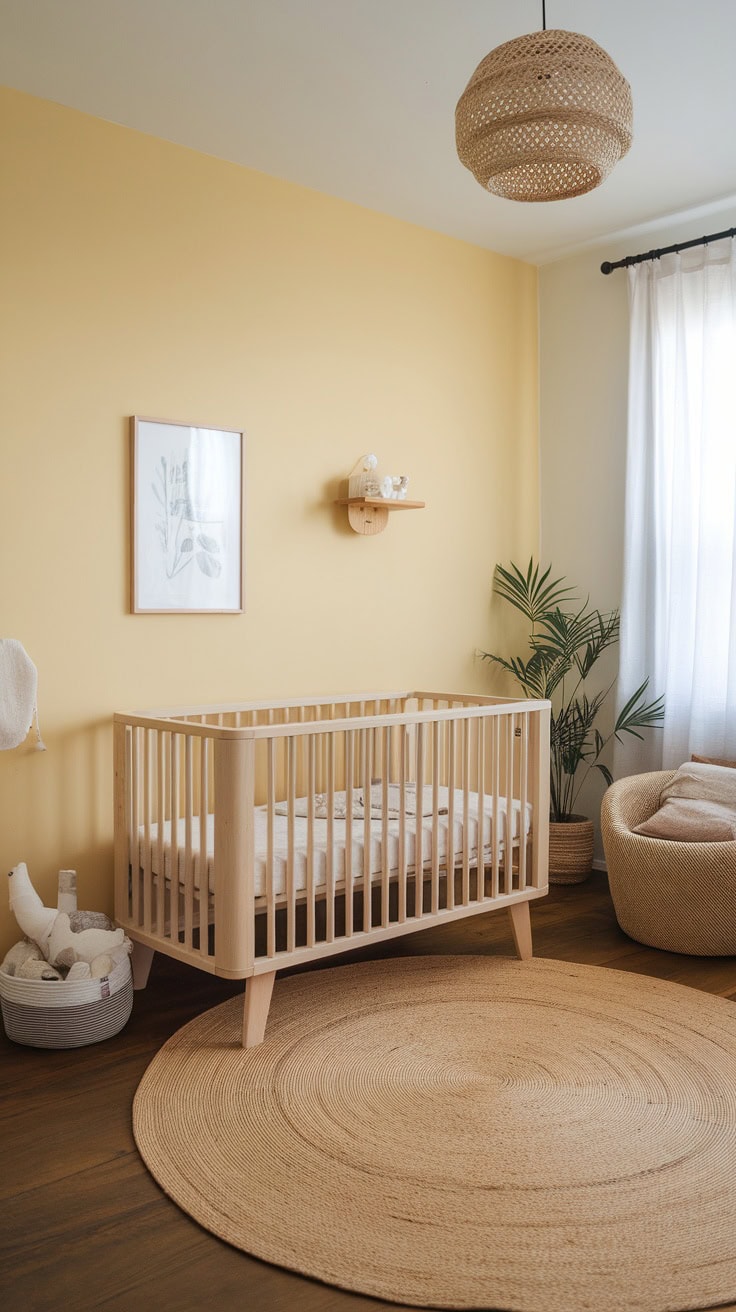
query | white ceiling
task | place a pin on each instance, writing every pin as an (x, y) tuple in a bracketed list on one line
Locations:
[(356, 98)]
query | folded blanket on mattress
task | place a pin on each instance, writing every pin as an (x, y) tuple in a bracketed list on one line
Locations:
[(339, 804)]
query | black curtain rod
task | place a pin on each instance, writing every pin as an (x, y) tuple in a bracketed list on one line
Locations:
[(607, 267)]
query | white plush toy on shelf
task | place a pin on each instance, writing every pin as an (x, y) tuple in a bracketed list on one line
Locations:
[(51, 930), (394, 487)]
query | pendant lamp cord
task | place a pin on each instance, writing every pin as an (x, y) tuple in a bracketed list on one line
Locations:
[(544, 16)]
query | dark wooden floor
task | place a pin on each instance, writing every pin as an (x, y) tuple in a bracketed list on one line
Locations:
[(85, 1226)]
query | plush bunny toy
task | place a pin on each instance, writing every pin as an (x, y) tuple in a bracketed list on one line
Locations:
[(51, 930)]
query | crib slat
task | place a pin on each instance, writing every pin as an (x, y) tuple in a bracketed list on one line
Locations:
[(524, 755), (436, 754), (160, 749), (481, 783), (508, 851), (385, 852), (367, 735), (203, 871), (135, 851), (403, 766), (495, 788), (174, 885), (270, 902), (361, 744), (291, 744), (450, 847), (311, 769), (330, 853), (188, 844), (466, 810), (122, 847), (147, 875), (418, 830), (326, 739), (130, 867), (349, 796)]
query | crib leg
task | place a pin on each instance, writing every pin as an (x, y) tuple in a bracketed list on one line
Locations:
[(258, 992), (141, 964), (521, 928)]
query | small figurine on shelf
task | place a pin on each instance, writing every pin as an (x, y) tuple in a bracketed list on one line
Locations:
[(393, 487), (363, 481)]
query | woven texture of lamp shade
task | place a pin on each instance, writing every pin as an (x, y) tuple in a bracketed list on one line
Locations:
[(544, 117)]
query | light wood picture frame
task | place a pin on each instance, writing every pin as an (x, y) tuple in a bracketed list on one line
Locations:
[(187, 509)]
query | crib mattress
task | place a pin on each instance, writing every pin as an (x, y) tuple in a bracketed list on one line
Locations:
[(377, 859)]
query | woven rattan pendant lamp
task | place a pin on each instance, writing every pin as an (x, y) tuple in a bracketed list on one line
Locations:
[(544, 117)]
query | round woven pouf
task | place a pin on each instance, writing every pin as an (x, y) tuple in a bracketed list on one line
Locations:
[(464, 1132)]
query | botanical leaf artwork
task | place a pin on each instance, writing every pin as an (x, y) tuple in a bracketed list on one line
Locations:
[(185, 528), (187, 508)]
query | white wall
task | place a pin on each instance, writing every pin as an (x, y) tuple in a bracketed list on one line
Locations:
[(583, 403)]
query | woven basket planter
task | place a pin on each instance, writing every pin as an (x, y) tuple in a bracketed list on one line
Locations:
[(54, 1014), (570, 850)]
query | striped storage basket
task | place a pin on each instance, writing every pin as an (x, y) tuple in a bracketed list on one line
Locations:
[(55, 1014)]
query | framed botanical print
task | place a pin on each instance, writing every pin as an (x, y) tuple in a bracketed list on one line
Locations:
[(187, 490)]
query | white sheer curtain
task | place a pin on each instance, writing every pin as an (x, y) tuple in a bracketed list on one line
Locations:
[(678, 614)]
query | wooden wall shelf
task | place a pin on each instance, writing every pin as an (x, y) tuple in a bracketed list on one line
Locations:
[(370, 514)]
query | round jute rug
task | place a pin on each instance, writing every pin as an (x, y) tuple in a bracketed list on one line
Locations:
[(464, 1132)]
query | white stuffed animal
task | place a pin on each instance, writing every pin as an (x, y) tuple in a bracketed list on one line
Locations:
[(18, 955), (37, 970), (51, 929)]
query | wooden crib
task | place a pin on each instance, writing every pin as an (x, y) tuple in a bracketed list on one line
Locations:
[(253, 837)]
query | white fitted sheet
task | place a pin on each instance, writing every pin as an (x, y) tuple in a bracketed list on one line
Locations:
[(320, 827)]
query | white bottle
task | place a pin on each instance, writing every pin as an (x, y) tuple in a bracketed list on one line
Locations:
[(67, 895)]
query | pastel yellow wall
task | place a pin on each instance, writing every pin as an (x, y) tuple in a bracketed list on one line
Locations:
[(139, 277)]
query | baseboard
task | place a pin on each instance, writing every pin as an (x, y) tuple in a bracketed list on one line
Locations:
[(599, 864)]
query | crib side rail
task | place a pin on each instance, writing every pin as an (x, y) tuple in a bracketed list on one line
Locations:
[(242, 719), (183, 841), (378, 826), (236, 716)]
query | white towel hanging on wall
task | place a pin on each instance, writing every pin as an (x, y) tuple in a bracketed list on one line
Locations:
[(18, 689)]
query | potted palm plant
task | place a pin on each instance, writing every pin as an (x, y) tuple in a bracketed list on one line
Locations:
[(566, 640)]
